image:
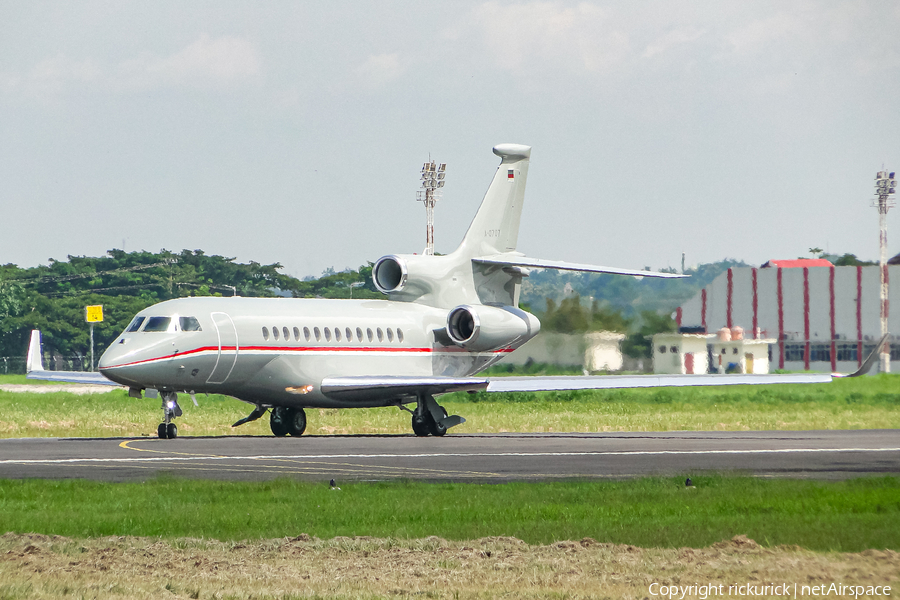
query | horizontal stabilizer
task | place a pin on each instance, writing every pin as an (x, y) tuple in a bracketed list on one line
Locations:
[(513, 260), (86, 377), (35, 368), (606, 382), (368, 387)]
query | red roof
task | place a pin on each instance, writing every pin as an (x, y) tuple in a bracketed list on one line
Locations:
[(800, 262)]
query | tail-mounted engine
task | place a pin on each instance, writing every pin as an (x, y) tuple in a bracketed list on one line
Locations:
[(479, 328)]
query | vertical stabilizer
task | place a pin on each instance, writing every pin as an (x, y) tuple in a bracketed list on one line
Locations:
[(495, 228), (34, 361)]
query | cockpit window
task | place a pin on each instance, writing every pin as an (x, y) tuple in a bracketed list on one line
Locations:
[(135, 325), (157, 324), (189, 324)]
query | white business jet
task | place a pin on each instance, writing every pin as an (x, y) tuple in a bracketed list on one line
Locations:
[(446, 319)]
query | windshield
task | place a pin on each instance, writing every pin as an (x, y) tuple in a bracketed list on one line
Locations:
[(157, 324), (135, 325), (189, 324)]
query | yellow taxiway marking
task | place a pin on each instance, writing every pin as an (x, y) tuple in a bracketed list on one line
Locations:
[(313, 464)]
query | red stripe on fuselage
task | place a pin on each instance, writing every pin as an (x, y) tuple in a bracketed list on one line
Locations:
[(311, 349)]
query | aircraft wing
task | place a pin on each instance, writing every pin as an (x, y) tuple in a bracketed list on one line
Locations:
[(35, 368), (386, 386), (606, 382), (378, 386), (513, 260)]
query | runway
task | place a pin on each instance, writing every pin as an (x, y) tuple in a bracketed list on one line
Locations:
[(487, 458)]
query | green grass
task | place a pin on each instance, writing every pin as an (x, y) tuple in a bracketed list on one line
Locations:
[(845, 516), (860, 403)]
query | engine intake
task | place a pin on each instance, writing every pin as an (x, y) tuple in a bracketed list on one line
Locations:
[(481, 328), (390, 274)]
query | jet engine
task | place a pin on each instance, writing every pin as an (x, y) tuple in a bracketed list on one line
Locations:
[(479, 328), (409, 277)]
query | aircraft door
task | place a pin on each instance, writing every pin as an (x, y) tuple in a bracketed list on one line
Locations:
[(228, 347)]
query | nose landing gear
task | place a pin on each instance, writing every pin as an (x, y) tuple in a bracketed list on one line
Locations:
[(167, 429)]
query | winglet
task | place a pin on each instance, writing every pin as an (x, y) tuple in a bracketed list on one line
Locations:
[(33, 361), (866, 366)]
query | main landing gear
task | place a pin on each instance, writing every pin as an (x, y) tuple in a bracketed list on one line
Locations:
[(287, 421), (431, 418), (284, 420), (167, 429)]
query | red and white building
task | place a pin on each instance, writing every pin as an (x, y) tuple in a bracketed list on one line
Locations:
[(824, 318)]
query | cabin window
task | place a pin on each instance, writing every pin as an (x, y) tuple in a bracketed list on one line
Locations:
[(317, 333), (275, 332), (306, 333), (390, 335), (327, 334), (359, 334), (674, 350), (369, 334), (349, 334), (662, 349), (296, 334), (380, 334), (135, 325), (265, 333), (337, 334), (287, 334), (189, 324), (399, 335), (157, 324)]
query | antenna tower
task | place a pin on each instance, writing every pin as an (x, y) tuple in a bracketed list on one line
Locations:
[(885, 187), (432, 181)]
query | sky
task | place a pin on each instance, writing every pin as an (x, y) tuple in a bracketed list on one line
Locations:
[(294, 132)]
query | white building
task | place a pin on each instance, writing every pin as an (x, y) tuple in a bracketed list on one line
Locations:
[(594, 351), (823, 318)]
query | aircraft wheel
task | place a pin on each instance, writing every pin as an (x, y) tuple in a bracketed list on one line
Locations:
[(435, 428), (278, 421), (171, 431), (295, 421), (161, 431), (420, 426)]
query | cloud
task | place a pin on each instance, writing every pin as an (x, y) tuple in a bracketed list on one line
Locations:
[(222, 60), (379, 69), (206, 61), (671, 39), (550, 34)]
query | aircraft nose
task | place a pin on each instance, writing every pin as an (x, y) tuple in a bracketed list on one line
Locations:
[(113, 364)]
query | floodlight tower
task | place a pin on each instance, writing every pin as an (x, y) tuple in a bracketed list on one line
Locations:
[(885, 187), (432, 180)]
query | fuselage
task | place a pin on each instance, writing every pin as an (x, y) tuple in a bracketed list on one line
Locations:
[(276, 351)]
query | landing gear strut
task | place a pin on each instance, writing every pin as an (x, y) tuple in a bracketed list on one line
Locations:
[(287, 421), (431, 418), (167, 429)]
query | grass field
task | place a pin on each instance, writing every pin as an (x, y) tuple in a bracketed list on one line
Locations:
[(847, 516), (860, 403)]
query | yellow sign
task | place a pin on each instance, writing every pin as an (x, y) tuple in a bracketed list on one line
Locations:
[(94, 314)]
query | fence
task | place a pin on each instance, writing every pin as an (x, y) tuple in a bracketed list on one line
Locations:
[(15, 365)]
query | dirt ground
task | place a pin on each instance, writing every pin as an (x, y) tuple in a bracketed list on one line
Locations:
[(71, 388), (38, 566)]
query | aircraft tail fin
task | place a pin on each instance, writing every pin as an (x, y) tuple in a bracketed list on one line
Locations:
[(33, 361), (495, 228)]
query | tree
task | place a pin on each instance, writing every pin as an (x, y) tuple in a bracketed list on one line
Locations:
[(638, 344)]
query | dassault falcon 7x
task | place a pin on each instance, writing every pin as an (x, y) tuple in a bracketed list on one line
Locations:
[(446, 319)]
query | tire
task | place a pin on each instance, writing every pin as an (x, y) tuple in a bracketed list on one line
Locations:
[(171, 431), (435, 428), (161, 431), (295, 421), (420, 426), (278, 421)]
